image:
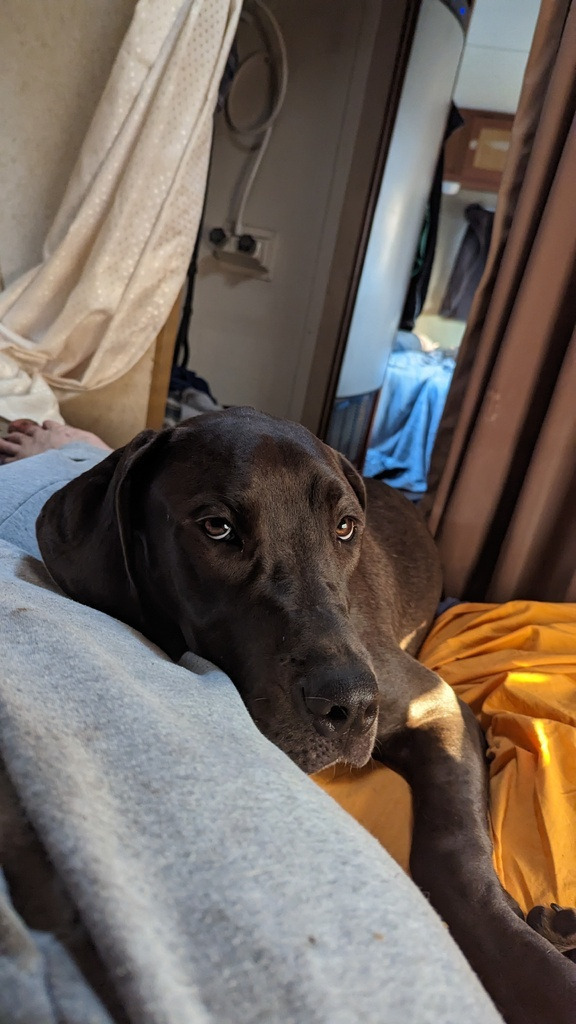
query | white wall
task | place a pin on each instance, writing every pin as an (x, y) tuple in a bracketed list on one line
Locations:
[(495, 56), (253, 340), (55, 57)]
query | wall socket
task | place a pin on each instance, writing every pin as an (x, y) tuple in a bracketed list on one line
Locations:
[(251, 253)]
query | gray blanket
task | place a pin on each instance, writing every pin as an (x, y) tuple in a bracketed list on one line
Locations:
[(193, 874)]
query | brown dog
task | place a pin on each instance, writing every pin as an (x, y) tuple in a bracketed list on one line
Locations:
[(246, 539)]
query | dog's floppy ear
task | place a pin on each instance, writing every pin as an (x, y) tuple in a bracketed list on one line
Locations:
[(354, 479), (85, 530)]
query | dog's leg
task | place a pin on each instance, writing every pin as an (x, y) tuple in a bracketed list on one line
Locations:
[(440, 753), (558, 925)]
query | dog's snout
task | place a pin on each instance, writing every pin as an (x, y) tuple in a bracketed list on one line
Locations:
[(340, 703)]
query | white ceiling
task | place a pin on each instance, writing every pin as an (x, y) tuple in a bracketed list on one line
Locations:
[(495, 55)]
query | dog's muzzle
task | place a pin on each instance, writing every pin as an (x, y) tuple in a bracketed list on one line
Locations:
[(342, 707)]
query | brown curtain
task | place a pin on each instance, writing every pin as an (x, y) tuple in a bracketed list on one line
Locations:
[(502, 487)]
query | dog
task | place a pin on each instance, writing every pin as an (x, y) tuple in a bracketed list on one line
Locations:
[(249, 541)]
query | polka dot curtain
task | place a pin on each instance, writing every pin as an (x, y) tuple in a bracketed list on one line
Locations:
[(117, 254)]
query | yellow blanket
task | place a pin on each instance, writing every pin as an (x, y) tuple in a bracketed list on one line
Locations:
[(515, 664)]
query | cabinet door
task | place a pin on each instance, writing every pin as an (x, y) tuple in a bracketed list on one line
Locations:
[(477, 152)]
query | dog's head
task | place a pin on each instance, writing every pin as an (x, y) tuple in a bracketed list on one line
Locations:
[(235, 536)]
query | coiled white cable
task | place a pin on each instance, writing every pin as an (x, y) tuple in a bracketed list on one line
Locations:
[(271, 33)]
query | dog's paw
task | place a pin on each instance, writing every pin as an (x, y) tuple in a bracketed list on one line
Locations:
[(557, 924)]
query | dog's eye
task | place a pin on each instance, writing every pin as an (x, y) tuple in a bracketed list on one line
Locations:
[(346, 528), (217, 528)]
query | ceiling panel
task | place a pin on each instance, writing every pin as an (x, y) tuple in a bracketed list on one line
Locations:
[(505, 24), (490, 79)]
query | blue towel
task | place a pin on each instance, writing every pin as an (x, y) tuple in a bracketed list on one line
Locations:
[(413, 397)]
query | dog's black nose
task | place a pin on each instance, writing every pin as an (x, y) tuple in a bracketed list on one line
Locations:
[(340, 701)]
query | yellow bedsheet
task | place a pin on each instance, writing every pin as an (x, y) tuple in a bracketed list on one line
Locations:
[(515, 664)]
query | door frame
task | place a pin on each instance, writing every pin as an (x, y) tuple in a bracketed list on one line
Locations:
[(392, 46)]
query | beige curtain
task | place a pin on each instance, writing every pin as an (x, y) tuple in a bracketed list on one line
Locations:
[(117, 254), (502, 502)]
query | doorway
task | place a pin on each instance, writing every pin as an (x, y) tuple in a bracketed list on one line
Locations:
[(396, 437)]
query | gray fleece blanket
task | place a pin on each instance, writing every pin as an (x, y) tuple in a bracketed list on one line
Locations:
[(206, 879)]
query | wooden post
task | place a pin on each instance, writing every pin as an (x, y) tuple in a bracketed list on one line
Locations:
[(163, 357)]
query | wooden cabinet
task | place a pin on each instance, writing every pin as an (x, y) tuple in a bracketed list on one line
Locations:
[(476, 154)]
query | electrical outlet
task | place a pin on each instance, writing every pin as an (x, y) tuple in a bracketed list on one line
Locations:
[(251, 253)]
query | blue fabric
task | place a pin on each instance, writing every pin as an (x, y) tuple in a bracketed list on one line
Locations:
[(26, 485), (412, 401)]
